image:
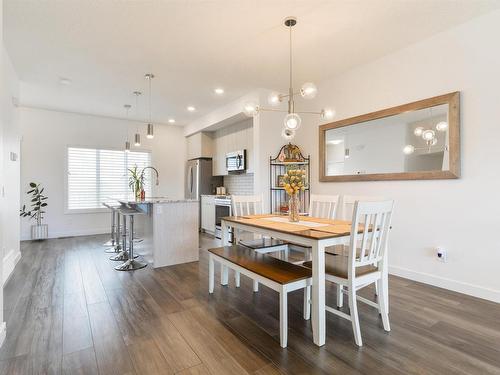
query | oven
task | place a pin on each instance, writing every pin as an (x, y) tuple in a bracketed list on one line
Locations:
[(222, 209)]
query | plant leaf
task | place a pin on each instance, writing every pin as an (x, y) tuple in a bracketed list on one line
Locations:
[(44, 204), (32, 184)]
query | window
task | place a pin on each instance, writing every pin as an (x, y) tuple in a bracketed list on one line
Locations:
[(96, 175)]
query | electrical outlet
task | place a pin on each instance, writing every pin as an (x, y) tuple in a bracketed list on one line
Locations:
[(441, 254)]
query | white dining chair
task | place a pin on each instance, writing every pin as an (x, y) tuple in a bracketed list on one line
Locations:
[(348, 201), (347, 212), (323, 206), (243, 205), (366, 263)]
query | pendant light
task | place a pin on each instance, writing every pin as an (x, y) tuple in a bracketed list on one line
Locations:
[(150, 134), (127, 142), (292, 120), (137, 137)]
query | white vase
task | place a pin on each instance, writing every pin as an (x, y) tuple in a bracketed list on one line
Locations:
[(39, 231)]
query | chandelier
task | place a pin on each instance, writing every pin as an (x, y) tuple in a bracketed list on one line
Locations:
[(430, 137), (308, 90)]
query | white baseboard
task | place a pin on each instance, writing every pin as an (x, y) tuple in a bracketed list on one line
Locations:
[(3, 332), (445, 283), (70, 233), (9, 263)]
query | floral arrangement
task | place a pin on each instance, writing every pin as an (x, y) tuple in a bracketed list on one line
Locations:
[(294, 181)]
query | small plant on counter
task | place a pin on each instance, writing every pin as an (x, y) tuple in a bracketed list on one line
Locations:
[(38, 204), (136, 181)]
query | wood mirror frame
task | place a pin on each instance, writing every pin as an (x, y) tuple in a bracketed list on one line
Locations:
[(453, 101)]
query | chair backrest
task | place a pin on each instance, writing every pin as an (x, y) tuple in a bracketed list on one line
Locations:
[(246, 204), (323, 206), (348, 202), (373, 219)]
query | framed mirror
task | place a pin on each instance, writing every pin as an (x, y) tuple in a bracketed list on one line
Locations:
[(415, 141)]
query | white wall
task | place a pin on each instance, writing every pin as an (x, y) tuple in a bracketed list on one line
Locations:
[(11, 168), (45, 137), (461, 215), (450, 213), (9, 171)]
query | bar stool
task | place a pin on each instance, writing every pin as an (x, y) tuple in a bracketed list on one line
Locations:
[(111, 242), (122, 254), (114, 243), (130, 263)]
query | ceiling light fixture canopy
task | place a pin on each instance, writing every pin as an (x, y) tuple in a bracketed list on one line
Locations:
[(292, 120)]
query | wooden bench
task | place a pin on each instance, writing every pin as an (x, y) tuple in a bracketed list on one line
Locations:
[(276, 274)]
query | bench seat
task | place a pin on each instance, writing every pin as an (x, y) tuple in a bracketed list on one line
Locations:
[(264, 265), (276, 274)]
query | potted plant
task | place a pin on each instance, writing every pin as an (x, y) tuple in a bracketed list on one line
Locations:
[(39, 231), (136, 181)]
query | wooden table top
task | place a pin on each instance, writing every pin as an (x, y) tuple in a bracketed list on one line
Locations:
[(329, 229)]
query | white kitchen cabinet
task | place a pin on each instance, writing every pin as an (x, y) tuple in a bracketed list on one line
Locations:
[(229, 139), (200, 145), (208, 213)]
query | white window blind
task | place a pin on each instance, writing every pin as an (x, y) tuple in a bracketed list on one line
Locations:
[(95, 175)]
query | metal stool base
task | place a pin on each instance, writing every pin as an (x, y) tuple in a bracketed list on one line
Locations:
[(131, 265), (113, 250), (121, 256)]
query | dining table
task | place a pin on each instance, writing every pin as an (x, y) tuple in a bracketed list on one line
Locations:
[(315, 233)]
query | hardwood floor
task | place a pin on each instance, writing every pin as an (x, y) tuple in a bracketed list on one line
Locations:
[(68, 311)]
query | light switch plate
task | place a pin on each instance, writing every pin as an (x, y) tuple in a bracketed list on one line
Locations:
[(13, 156)]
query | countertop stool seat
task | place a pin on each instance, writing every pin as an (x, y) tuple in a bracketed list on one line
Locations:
[(130, 263)]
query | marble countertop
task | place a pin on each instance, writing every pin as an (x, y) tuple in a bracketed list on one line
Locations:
[(155, 200)]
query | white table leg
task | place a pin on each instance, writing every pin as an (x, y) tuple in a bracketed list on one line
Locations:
[(225, 242), (211, 274), (318, 294)]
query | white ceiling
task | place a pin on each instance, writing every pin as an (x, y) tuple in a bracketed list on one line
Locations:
[(105, 47)]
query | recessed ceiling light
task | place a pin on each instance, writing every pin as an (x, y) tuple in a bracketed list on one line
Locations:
[(171, 120), (191, 108), (64, 81), (219, 90)]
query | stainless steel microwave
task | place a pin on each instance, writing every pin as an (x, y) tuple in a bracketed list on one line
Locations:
[(236, 161)]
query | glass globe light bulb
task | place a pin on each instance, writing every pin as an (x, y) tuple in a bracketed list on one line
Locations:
[(251, 109), (327, 114), (274, 99), (418, 131), (308, 90), (292, 121), (441, 126), (408, 149), (288, 134), (428, 135)]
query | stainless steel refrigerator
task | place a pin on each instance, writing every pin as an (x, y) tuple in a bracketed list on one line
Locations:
[(199, 178)]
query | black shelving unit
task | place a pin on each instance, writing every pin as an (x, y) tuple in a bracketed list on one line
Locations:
[(289, 157)]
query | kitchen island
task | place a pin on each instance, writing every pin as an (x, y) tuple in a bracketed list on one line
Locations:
[(167, 232)]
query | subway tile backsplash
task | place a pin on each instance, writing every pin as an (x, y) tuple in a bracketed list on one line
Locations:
[(239, 184)]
